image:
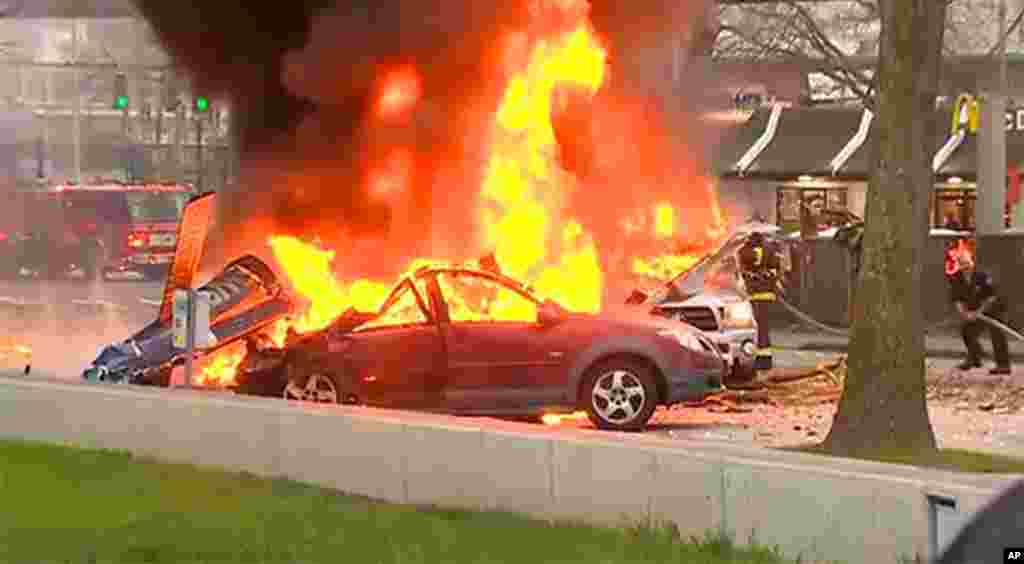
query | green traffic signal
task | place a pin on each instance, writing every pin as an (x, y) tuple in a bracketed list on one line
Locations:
[(121, 102), (202, 103)]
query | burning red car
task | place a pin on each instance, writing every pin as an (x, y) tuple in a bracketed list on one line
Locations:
[(472, 342)]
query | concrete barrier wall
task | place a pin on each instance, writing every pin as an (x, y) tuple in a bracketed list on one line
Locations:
[(808, 505)]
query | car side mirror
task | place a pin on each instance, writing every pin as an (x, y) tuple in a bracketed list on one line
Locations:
[(550, 313)]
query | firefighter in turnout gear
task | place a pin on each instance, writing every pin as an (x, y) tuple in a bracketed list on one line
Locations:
[(759, 265)]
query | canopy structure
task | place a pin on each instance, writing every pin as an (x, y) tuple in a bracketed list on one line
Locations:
[(785, 143), (68, 9)]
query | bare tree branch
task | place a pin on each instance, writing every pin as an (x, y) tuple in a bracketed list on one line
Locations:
[(1009, 30), (839, 39), (788, 30)]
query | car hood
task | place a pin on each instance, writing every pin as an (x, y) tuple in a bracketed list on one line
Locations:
[(713, 299), (638, 316)]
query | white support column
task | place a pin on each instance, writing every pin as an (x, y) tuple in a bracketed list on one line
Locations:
[(77, 121), (990, 207)]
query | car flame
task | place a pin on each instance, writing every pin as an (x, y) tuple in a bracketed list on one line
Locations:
[(525, 197)]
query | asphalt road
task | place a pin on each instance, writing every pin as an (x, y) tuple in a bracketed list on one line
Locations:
[(65, 323), (122, 293)]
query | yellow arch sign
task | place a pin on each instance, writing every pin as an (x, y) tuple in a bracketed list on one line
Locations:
[(965, 114)]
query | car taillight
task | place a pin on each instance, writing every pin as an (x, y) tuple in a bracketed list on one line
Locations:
[(3, 236), (137, 240)]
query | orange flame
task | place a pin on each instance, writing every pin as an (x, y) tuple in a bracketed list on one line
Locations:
[(394, 175), (308, 268), (666, 265), (221, 368), (524, 190), (664, 220), (400, 90), (10, 347), (551, 419), (524, 193)]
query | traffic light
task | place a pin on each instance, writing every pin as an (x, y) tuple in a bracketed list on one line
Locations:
[(120, 92), (202, 104)]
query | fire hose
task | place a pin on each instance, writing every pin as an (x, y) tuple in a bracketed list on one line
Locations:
[(846, 332), (1001, 326)]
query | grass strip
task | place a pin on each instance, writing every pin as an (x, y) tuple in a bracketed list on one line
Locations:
[(69, 505)]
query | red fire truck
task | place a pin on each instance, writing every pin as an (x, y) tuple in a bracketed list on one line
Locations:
[(109, 231)]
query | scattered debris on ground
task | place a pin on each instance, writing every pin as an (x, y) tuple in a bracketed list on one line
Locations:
[(976, 391), (795, 406)]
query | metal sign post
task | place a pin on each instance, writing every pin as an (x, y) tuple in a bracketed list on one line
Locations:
[(190, 337), (184, 328), (191, 316), (182, 321)]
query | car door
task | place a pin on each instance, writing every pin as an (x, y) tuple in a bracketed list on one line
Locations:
[(397, 360), (499, 356)]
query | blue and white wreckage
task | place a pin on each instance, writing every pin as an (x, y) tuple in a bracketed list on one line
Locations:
[(245, 298)]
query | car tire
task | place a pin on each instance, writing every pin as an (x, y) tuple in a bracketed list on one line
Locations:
[(314, 384), (741, 374), (620, 394)]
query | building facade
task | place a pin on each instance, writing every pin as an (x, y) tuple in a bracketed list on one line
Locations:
[(60, 80), (790, 162)]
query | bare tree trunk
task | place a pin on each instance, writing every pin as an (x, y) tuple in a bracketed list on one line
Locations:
[(883, 407)]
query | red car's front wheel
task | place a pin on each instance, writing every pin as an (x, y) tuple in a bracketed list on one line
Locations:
[(621, 395)]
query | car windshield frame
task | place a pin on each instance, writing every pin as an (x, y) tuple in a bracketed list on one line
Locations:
[(396, 293), (498, 279)]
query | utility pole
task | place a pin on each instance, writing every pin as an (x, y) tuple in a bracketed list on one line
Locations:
[(990, 211), (179, 143), (1003, 83), (199, 151), (160, 105), (49, 97), (158, 128), (124, 122), (225, 148), (77, 120)]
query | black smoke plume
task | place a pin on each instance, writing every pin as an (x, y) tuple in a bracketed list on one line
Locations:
[(299, 77)]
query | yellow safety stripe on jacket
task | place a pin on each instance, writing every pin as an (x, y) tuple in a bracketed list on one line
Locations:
[(764, 352), (763, 297)]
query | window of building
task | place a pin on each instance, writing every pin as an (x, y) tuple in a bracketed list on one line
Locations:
[(799, 207), (954, 209)]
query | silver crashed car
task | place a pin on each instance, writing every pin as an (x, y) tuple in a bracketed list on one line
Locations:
[(710, 297)]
